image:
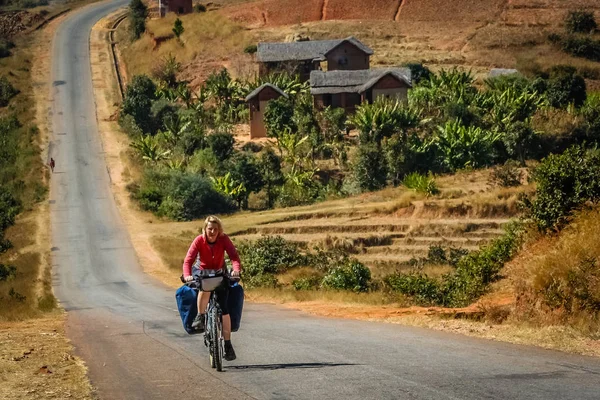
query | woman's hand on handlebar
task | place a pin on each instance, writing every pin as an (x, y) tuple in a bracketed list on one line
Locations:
[(235, 274), (189, 278)]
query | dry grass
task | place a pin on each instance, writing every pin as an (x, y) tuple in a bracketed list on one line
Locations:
[(172, 250), (558, 282), (210, 42), (36, 361)]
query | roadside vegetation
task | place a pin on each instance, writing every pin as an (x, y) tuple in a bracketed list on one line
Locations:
[(541, 128), (22, 187)]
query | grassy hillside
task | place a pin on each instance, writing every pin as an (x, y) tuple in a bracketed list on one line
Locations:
[(476, 35)]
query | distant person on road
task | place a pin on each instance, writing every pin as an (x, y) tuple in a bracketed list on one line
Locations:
[(52, 164), (211, 247)]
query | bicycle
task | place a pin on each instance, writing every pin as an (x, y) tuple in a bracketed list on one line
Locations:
[(213, 327)]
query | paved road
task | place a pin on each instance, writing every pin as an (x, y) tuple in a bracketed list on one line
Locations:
[(124, 324)]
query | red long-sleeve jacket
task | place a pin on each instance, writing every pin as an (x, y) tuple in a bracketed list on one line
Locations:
[(211, 256)]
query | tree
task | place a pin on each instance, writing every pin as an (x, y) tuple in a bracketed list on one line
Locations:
[(246, 169), (221, 145), (279, 117), (565, 86), (270, 165), (370, 169), (138, 12), (138, 101), (178, 28), (7, 91), (518, 139), (382, 119), (418, 72), (149, 149)]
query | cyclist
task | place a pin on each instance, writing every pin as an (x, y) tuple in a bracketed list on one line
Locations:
[(211, 247)]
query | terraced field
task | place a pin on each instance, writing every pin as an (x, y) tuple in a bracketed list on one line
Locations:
[(382, 229), (381, 242)]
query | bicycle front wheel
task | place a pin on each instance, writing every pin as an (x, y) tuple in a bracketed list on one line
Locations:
[(218, 341)]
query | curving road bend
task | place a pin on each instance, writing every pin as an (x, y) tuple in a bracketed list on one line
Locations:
[(125, 325)]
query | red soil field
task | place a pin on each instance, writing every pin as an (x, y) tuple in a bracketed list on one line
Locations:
[(409, 12)]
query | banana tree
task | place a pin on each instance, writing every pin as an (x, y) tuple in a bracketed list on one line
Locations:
[(149, 149), (229, 187)]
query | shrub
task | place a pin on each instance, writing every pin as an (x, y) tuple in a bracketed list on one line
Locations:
[(7, 91), (507, 175), (5, 47), (199, 8), (269, 255), (370, 169), (221, 145), (565, 182), (580, 22), (138, 12), (565, 87), (423, 289), (179, 195), (7, 272), (418, 72), (350, 275), (421, 183), (583, 47), (251, 49), (166, 70), (475, 271), (178, 28), (306, 283)]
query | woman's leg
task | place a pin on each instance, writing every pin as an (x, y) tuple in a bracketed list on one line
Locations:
[(203, 298)]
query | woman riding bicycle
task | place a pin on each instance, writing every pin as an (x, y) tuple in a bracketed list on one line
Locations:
[(211, 246)]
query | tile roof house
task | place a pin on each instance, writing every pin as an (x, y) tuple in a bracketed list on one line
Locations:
[(347, 89), (306, 56)]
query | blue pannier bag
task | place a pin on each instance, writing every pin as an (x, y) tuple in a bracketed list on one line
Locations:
[(235, 302), (188, 307)]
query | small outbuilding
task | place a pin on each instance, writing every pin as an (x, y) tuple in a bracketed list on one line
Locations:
[(257, 101), (348, 89)]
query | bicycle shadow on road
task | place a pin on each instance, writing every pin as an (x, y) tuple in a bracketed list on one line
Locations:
[(269, 367)]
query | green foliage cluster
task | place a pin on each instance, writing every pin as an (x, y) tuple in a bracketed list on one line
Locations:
[(267, 256), (178, 28), (421, 183), (565, 182), (138, 12), (179, 195), (7, 91), (199, 8), (350, 274), (471, 278), (580, 22)]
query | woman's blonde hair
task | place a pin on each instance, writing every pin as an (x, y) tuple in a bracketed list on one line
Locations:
[(215, 220)]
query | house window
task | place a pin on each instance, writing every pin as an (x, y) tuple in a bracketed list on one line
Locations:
[(343, 61)]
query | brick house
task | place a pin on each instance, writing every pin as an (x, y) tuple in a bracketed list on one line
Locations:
[(257, 101), (348, 89), (306, 56)]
